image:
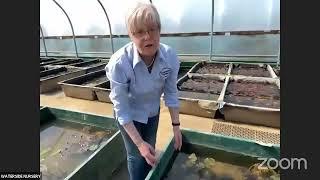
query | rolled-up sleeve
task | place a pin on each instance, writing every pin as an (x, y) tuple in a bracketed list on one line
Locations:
[(170, 86), (119, 91)]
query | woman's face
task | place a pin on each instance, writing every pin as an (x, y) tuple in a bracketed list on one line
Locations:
[(146, 39)]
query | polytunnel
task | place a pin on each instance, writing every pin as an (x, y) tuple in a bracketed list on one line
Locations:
[(206, 29)]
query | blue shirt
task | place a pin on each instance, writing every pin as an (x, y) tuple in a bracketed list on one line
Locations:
[(135, 93)]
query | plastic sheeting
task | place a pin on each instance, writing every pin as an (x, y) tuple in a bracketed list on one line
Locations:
[(176, 16)]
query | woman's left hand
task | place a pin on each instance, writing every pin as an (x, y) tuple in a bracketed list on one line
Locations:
[(177, 138)]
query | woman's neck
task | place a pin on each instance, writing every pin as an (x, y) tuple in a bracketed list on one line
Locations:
[(148, 59)]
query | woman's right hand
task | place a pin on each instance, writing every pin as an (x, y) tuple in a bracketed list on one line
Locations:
[(148, 152)]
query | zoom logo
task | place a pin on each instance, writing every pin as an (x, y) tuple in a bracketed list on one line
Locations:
[(283, 163)]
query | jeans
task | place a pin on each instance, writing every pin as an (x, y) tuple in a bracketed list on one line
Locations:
[(137, 166)]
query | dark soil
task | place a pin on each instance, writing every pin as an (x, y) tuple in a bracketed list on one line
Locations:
[(95, 81), (69, 62), (256, 90), (58, 74), (43, 68), (46, 68), (105, 85), (46, 59), (96, 64), (249, 101), (202, 86), (182, 72), (250, 70), (213, 69), (253, 94), (93, 64)]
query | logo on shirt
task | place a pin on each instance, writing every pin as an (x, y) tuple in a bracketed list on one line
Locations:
[(164, 73)]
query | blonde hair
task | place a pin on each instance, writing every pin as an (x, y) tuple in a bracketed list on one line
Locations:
[(140, 15)]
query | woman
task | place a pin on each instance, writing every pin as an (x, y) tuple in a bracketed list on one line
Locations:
[(139, 73)]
